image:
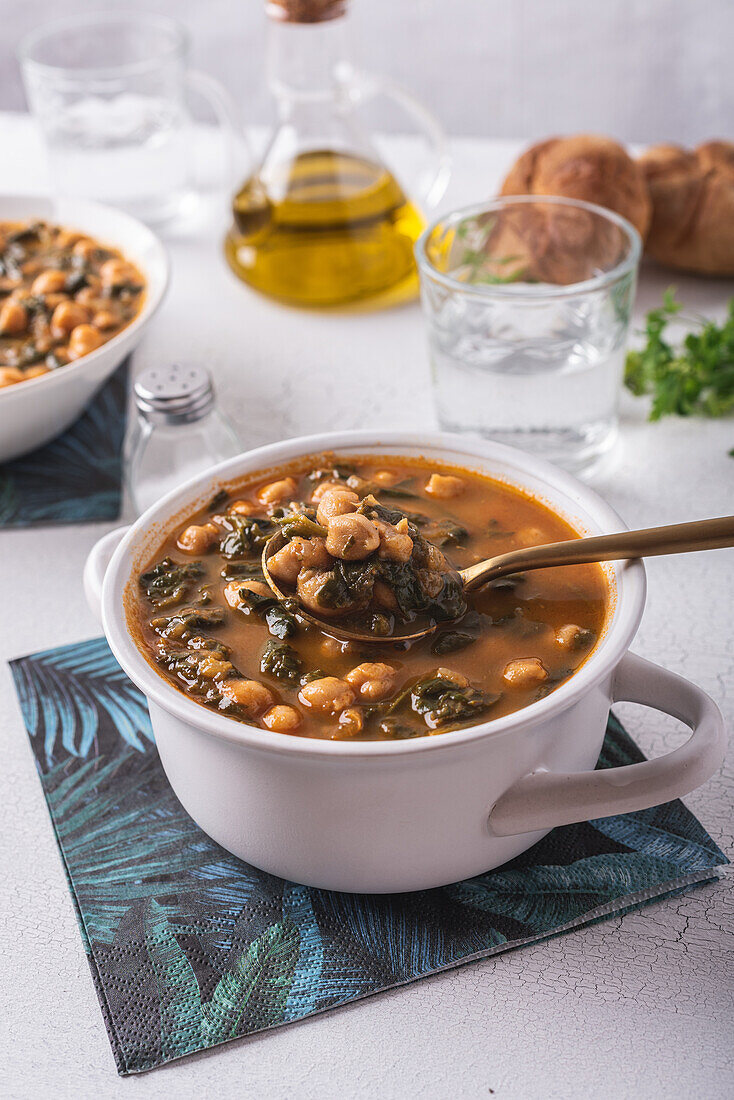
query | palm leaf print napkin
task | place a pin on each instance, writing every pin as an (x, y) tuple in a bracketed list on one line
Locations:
[(189, 947), (76, 478)]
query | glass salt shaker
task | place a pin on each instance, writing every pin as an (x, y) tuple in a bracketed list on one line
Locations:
[(178, 433)]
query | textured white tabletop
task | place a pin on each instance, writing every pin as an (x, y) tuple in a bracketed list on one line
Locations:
[(639, 1006)]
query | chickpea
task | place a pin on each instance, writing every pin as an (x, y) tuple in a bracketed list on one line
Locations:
[(530, 536), (385, 478), (525, 672), (232, 590), (67, 316), (571, 636), (197, 538), (332, 647), (457, 678), (351, 537), (444, 486), (336, 502), (248, 694), (282, 718), (89, 296), (277, 491), (328, 487), (435, 560), (395, 545), (62, 354), (9, 376), (84, 248), (48, 282), (373, 680), (54, 300), (299, 553), (243, 508), (308, 587), (351, 722), (212, 667), (37, 371), (328, 694), (83, 340), (65, 238), (104, 319), (115, 272), (13, 318)]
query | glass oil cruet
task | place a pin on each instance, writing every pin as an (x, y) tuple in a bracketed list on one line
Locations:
[(323, 222)]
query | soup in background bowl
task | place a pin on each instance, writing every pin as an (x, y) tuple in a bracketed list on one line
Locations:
[(407, 812), (61, 375)]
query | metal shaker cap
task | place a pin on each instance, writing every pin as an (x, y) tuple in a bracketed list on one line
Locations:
[(176, 394)]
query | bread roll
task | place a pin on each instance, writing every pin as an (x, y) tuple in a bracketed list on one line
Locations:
[(692, 194), (588, 167)]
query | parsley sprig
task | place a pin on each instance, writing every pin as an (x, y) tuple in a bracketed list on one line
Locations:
[(693, 379)]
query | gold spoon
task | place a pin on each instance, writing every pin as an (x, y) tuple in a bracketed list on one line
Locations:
[(680, 538)]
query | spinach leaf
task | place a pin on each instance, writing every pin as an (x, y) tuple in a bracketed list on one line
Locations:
[(443, 531), (184, 623), (218, 500), (347, 584), (314, 674), (75, 282), (441, 701), (296, 523), (168, 580), (402, 579), (250, 570), (281, 661), (451, 641), (332, 473), (374, 510), (245, 536), (279, 615)]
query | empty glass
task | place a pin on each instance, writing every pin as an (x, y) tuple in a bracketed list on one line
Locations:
[(109, 92), (527, 303)]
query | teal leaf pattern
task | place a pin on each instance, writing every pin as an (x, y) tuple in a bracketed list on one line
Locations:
[(77, 477), (190, 947), (179, 998), (259, 982)]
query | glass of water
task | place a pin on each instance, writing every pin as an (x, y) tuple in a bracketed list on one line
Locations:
[(109, 92), (527, 303)]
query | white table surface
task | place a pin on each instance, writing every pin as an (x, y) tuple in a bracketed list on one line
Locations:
[(638, 1006)]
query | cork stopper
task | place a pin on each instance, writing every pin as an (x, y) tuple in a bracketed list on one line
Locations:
[(305, 11)]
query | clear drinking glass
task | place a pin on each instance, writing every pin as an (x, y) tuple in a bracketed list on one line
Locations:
[(527, 304), (109, 93)]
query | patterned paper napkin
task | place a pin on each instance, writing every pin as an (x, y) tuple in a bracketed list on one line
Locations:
[(190, 947), (76, 478)]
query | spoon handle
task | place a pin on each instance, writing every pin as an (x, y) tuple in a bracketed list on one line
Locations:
[(679, 538)]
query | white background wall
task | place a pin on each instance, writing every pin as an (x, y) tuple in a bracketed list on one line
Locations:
[(641, 70)]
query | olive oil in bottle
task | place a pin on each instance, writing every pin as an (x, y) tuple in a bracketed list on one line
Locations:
[(322, 221), (327, 228)]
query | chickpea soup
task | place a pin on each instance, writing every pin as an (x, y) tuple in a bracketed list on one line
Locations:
[(377, 543), (62, 295)]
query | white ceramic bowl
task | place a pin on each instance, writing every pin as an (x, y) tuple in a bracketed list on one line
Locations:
[(385, 816), (33, 412)]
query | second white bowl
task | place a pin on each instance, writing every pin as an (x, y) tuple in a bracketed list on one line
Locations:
[(34, 412)]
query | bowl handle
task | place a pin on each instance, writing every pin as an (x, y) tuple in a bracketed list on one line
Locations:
[(95, 568), (543, 800)]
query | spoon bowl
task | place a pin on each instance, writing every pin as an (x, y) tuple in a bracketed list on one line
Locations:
[(678, 538)]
